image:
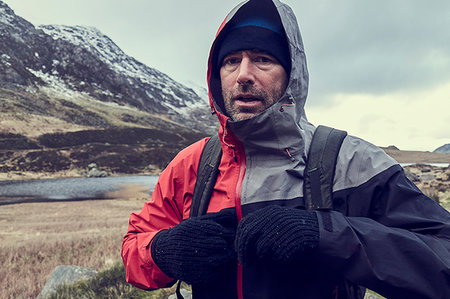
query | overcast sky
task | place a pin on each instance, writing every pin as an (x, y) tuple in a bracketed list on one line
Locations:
[(378, 69)]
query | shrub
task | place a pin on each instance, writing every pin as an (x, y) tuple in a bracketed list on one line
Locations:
[(432, 193), (108, 284)]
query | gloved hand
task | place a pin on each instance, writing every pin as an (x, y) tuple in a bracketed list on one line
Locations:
[(276, 233), (194, 250)]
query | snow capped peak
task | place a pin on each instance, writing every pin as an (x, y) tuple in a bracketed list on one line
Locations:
[(200, 90), (6, 13), (87, 37), (174, 94)]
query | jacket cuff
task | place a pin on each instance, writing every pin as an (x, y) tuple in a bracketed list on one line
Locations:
[(336, 237), (156, 274)]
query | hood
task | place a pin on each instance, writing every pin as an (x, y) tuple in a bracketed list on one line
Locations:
[(297, 88), (275, 141)]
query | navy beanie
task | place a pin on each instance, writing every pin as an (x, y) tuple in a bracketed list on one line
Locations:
[(256, 33)]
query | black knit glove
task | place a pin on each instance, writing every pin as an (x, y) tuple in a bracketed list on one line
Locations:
[(276, 233), (194, 250)]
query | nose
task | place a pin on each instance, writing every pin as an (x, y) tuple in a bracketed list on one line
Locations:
[(245, 75)]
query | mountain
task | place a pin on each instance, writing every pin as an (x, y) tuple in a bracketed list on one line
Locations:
[(57, 80), (445, 149)]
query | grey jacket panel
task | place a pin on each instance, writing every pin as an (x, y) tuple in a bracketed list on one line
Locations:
[(358, 162)]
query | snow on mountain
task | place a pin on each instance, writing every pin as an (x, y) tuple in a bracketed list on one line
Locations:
[(178, 97), (6, 14), (71, 62), (201, 91)]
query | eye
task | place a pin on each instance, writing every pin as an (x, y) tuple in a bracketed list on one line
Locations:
[(231, 61), (263, 59)]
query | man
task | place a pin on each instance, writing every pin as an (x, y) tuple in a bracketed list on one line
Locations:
[(257, 239)]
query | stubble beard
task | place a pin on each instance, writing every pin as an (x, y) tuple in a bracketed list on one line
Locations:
[(238, 113)]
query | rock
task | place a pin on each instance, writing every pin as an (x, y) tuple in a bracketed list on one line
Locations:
[(426, 169), (93, 172), (427, 177), (152, 168), (372, 296), (186, 294), (412, 177), (65, 275)]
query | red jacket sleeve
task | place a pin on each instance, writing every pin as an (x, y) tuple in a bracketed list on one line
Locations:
[(170, 204)]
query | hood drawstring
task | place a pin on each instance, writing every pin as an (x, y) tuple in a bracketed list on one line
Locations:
[(282, 110), (287, 105)]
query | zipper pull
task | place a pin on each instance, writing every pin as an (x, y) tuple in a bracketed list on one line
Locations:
[(289, 154)]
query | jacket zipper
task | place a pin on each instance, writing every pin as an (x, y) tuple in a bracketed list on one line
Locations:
[(242, 167)]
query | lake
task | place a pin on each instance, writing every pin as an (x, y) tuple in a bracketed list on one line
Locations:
[(67, 189), (431, 164)]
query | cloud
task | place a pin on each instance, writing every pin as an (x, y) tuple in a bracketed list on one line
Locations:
[(409, 120), (376, 47)]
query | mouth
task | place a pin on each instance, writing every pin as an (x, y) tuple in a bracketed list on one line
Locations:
[(247, 98)]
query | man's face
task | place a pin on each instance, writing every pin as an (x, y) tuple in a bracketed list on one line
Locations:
[(251, 81)]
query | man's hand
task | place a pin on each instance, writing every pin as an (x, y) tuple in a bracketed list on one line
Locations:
[(196, 249), (276, 233)]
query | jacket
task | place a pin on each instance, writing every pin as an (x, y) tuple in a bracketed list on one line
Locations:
[(383, 234)]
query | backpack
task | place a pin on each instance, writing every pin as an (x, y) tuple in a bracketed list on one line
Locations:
[(319, 171), (317, 187)]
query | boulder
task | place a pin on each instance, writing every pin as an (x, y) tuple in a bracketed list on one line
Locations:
[(94, 172), (427, 177), (65, 275), (426, 169), (372, 296), (185, 293), (412, 177)]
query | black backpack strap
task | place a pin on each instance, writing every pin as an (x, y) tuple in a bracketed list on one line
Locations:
[(320, 167), (318, 188), (208, 169)]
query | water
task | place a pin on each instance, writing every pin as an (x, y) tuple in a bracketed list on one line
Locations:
[(431, 164), (68, 189)]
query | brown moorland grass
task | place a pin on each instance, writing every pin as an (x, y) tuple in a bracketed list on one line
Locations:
[(37, 237), (403, 156)]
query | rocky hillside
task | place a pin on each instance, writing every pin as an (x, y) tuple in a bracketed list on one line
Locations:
[(74, 85), (443, 149), (434, 181), (430, 171), (403, 156)]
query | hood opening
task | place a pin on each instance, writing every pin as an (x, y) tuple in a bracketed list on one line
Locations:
[(262, 9)]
